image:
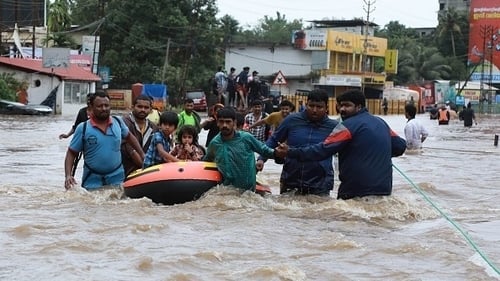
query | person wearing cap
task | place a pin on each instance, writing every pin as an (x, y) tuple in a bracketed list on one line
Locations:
[(365, 145)]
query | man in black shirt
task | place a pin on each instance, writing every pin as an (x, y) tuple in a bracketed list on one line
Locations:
[(82, 116)]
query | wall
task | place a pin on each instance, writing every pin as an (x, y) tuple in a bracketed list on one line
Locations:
[(290, 61), (36, 94)]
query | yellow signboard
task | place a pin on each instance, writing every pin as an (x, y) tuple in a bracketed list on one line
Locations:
[(352, 43), (391, 61)]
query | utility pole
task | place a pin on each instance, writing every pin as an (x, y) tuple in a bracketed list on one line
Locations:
[(486, 32), (368, 8), (165, 64), (34, 22)]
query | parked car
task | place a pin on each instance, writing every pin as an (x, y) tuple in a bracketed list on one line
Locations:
[(199, 98), (17, 108)]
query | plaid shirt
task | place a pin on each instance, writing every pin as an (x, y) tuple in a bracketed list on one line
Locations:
[(258, 132)]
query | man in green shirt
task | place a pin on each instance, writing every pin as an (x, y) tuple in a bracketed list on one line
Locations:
[(233, 151), (189, 117)]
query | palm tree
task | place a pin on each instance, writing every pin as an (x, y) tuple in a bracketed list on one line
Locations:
[(419, 63), (59, 19), (449, 24)]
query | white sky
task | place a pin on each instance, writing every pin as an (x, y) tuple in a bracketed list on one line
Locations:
[(411, 13)]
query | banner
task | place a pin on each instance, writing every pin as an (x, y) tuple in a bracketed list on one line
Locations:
[(484, 40)]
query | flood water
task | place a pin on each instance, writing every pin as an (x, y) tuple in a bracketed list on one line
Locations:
[(441, 223)]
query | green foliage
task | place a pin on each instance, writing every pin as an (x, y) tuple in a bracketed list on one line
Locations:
[(157, 41), (270, 30), (9, 86), (449, 31), (181, 42), (439, 56)]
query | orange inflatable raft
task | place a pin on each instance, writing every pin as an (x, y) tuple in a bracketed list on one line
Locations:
[(176, 182)]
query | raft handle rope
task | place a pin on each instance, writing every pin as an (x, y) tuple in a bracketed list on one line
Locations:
[(450, 220)]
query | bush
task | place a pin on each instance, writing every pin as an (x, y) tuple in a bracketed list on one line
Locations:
[(9, 86)]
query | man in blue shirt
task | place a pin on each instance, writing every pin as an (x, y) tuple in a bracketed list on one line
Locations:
[(302, 129), (365, 145), (99, 139)]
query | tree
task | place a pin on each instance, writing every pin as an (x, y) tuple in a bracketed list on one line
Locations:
[(419, 63), (229, 28), (449, 26), (59, 20), (270, 30), (9, 86), (142, 40)]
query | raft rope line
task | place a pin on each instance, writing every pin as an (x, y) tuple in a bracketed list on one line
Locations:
[(450, 220)]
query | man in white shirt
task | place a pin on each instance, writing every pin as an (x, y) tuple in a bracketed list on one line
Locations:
[(415, 133)]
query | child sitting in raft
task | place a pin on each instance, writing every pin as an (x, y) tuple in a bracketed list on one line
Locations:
[(188, 149), (158, 151)]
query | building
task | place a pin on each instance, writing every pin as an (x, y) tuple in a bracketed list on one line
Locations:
[(73, 82), (335, 55), (424, 31), (268, 60), (458, 5)]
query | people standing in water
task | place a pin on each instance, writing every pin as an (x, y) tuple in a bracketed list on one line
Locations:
[(443, 115), (302, 107), (385, 106), (210, 123), (274, 119), (99, 138), (259, 132), (468, 116), (415, 133), (433, 113), (299, 130), (142, 128), (233, 151), (365, 145), (162, 142), (81, 116), (187, 148), (189, 116)]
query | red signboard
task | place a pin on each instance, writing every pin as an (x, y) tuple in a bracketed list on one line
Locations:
[(484, 39)]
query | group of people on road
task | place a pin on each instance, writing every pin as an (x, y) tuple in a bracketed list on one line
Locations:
[(304, 142), (239, 90)]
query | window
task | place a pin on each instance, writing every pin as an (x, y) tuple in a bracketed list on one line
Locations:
[(75, 92)]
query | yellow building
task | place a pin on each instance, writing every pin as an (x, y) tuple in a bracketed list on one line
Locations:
[(344, 55)]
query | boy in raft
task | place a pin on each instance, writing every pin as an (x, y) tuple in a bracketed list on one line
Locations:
[(233, 151), (188, 149), (158, 151)]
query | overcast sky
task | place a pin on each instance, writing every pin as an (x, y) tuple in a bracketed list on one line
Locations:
[(411, 13)]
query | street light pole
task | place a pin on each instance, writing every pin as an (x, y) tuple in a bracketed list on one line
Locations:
[(368, 9)]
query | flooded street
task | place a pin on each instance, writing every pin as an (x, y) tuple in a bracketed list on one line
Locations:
[(441, 223)]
